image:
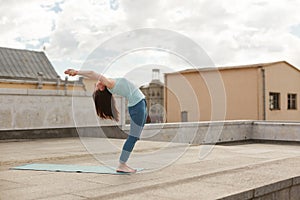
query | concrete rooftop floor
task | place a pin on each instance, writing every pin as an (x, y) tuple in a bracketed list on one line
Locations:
[(171, 171)]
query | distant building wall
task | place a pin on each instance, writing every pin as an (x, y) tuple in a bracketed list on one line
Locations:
[(184, 93), (241, 89), (154, 93), (247, 93), (283, 80)]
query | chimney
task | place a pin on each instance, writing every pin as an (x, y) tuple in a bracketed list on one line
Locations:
[(155, 75)]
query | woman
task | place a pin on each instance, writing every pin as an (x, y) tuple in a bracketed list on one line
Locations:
[(106, 109)]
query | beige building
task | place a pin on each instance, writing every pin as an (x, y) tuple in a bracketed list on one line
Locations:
[(268, 91)]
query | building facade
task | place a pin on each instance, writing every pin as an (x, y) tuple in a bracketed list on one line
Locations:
[(25, 69), (268, 91), (154, 93)]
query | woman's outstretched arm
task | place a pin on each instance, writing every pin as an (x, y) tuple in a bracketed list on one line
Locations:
[(92, 75)]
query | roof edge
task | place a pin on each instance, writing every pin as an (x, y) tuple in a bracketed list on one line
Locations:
[(258, 65), (9, 48)]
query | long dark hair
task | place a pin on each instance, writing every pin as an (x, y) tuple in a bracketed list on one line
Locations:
[(105, 105)]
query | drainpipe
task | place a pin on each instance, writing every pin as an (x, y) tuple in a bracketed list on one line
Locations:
[(264, 92), (66, 85), (58, 82), (40, 80)]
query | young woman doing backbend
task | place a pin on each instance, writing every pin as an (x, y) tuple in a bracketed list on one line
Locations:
[(106, 108)]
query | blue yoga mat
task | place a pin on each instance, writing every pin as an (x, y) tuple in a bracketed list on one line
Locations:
[(70, 168)]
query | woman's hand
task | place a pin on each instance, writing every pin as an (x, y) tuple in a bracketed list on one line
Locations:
[(71, 72)]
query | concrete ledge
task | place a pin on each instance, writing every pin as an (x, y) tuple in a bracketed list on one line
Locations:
[(274, 187), (276, 131), (198, 132), (105, 131), (296, 181), (190, 133), (222, 132), (37, 133), (247, 195), (288, 189)]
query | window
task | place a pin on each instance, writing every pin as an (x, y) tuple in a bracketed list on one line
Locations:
[(292, 101), (274, 101), (184, 116)]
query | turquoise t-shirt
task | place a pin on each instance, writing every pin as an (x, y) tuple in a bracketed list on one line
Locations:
[(125, 88)]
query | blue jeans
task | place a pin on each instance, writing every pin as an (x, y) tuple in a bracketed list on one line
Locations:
[(138, 115)]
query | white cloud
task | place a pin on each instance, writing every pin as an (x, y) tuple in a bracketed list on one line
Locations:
[(24, 21), (80, 27), (232, 31)]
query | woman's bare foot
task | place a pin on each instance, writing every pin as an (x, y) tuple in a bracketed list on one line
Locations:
[(125, 168)]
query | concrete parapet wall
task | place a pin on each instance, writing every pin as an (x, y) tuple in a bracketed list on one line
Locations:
[(222, 132), (286, 189), (198, 132), (22, 109), (104, 131), (276, 131), (190, 132)]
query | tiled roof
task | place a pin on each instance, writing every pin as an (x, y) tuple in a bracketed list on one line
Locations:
[(25, 64)]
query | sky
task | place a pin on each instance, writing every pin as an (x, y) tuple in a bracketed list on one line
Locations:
[(231, 32)]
